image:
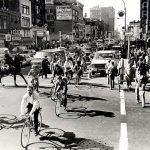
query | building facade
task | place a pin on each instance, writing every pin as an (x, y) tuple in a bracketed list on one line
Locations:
[(108, 16), (95, 13), (65, 19), (26, 22), (10, 22), (134, 27)]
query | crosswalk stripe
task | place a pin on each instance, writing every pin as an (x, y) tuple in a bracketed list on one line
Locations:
[(123, 143)]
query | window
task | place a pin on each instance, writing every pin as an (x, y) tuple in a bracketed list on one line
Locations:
[(3, 22), (26, 33), (26, 21), (25, 9), (48, 17)]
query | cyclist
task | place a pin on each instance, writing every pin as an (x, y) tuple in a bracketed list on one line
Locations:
[(30, 105), (68, 67), (57, 71), (35, 73), (61, 85)]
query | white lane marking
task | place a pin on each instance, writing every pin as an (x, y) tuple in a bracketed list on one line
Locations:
[(122, 103), (123, 143)]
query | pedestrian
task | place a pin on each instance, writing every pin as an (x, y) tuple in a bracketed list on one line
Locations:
[(45, 66), (140, 88), (112, 73), (18, 65), (107, 66), (8, 59), (121, 69)]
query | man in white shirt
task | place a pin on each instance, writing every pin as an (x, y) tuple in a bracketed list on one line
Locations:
[(68, 67), (30, 105), (107, 66), (121, 69)]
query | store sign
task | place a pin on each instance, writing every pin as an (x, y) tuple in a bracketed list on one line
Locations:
[(63, 13), (15, 38), (66, 1), (40, 33), (8, 37), (49, 2)]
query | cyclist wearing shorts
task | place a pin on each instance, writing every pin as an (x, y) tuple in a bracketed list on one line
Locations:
[(30, 105), (61, 85)]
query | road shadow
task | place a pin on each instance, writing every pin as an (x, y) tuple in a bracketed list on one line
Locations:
[(94, 85), (77, 97), (67, 140), (8, 121), (92, 113)]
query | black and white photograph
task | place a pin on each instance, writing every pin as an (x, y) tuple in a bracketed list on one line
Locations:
[(74, 74)]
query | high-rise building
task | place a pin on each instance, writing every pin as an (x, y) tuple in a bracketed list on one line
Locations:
[(108, 16), (95, 13)]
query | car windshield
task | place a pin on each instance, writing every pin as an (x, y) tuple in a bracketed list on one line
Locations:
[(42, 54), (106, 56)]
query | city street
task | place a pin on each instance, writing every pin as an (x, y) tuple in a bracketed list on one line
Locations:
[(103, 120)]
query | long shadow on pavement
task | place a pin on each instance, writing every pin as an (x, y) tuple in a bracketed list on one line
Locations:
[(10, 121), (77, 97)]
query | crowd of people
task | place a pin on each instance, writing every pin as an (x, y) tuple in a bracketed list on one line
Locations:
[(135, 70)]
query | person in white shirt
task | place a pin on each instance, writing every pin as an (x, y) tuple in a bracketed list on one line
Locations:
[(121, 70), (68, 67), (107, 66), (30, 105)]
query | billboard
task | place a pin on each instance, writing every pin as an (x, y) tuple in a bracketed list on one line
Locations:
[(49, 2), (63, 13)]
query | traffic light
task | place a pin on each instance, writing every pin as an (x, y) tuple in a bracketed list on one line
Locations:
[(144, 9)]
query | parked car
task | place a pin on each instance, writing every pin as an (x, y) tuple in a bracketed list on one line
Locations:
[(101, 59), (40, 55), (2, 49)]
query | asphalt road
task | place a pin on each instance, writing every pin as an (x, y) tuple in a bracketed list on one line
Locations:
[(106, 123)]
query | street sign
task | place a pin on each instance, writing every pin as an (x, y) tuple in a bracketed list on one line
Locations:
[(128, 33), (8, 37), (15, 38)]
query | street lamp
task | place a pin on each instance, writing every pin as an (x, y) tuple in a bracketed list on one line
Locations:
[(121, 14), (125, 13)]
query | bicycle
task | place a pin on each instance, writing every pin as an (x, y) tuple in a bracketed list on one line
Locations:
[(59, 102), (28, 128)]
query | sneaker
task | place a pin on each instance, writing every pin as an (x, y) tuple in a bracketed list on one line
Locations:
[(36, 133)]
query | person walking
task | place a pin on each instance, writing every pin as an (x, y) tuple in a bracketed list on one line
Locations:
[(45, 66), (121, 69), (107, 66), (112, 73)]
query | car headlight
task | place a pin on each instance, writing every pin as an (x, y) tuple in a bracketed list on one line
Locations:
[(93, 66)]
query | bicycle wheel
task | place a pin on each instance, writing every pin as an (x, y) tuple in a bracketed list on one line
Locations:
[(57, 107), (52, 92), (25, 135), (39, 121)]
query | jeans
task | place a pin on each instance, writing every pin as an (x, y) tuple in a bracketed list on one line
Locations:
[(36, 113)]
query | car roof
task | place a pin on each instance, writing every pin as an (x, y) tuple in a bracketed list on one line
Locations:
[(108, 51), (3, 48), (53, 50)]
